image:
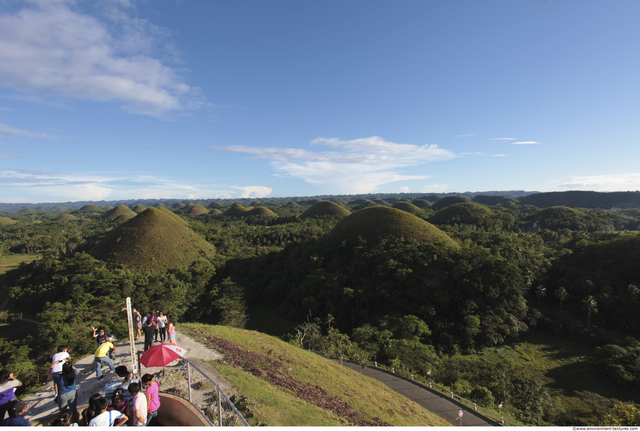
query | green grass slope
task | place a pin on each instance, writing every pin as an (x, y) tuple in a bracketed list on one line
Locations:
[(325, 209), (195, 209), (120, 212), (7, 221), (408, 207), (153, 241), (65, 218), (235, 210), (138, 208), (448, 201), (376, 223), (465, 213), (89, 209), (284, 385), (422, 203), (259, 212)]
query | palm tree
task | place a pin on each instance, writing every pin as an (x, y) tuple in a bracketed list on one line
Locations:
[(589, 303), (541, 292), (590, 285), (561, 294)]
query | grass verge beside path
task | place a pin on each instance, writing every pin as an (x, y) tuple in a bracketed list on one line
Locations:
[(317, 382)]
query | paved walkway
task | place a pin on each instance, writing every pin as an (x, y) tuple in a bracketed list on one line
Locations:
[(431, 400)]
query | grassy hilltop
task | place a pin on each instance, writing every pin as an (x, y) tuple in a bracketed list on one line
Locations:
[(284, 385)]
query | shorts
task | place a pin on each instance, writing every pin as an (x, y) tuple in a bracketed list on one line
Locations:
[(172, 337)]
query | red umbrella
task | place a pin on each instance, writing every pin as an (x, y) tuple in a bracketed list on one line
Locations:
[(161, 355)]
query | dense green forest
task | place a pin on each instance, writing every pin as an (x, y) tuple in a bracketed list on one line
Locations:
[(429, 284)]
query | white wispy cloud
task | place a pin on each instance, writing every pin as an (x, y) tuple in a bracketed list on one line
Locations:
[(8, 131), (349, 166), (525, 143), (603, 183), (51, 48), (498, 155), (29, 185), (253, 191)]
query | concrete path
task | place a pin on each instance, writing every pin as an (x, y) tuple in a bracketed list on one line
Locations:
[(435, 402)]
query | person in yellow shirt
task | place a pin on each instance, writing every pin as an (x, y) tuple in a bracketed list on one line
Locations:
[(102, 357)]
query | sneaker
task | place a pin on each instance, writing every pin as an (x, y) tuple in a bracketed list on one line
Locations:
[(101, 377)]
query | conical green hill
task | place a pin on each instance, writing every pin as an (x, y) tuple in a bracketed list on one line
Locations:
[(6, 220), (215, 211), (89, 209), (153, 242), (377, 223), (381, 202), (449, 200), (122, 212), (421, 203), (408, 207), (178, 205), (465, 213), (64, 218), (292, 204), (138, 208), (260, 212), (196, 209), (214, 205), (235, 210), (325, 209)]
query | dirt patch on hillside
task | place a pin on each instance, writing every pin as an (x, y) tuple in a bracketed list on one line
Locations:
[(273, 372)]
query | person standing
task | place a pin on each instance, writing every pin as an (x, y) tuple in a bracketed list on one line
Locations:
[(66, 389), (152, 393), (149, 331), (154, 319), (162, 326), (137, 321), (138, 405), (58, 359), (101, 357), (18, 419), (8, 383), (172, 330)]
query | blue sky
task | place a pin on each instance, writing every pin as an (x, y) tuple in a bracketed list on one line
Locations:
[(122, 99)]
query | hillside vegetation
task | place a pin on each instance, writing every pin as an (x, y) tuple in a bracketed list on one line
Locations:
[(287, 386)]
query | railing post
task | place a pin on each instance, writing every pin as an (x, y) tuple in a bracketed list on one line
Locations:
[(189, 380), (475, 406), (451, 394), (219, 406)]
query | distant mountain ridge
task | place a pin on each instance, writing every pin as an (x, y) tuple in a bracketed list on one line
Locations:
[(343, 199)]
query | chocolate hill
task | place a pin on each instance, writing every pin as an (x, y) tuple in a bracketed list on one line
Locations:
[(120, 212), (65, 218), (448, 201), (377, 223), (324, 209), (465, 213), (153, 241), (260, 212)]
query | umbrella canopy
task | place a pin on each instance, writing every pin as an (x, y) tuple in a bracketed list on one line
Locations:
[(161, 355)]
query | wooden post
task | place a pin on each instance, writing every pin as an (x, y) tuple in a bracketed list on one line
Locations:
[(189, 380)]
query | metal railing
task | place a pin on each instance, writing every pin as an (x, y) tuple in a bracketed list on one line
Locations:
[(444, 391), (224, 410), (186, 380)]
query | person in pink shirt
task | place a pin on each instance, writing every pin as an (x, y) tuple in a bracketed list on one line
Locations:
[(138, 405), (152, 393)]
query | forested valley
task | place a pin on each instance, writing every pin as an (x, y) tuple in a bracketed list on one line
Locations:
[(452, 288)]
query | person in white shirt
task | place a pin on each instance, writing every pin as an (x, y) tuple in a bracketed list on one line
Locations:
[(112, 418), (58, 360)]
